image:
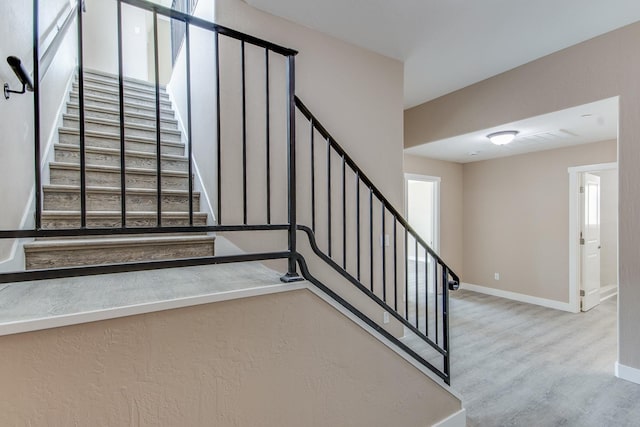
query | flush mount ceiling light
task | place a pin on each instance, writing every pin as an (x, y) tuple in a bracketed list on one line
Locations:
[(503, 137)]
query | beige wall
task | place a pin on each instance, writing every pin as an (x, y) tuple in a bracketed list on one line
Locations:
[(262, 361), (609, 227), (516, 219), (358, 97), (451, 207), (600, 68)]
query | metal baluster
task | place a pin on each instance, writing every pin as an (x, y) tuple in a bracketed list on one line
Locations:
[(426, 292), (395, 264), (358, 261), (218, 131), (445, 322), (123, 164), (244, 136), (313, 177), (417, 280), (268, 132), (36, 116), (384, 256), (371, 237), (406, 274), (187, 46), (83, 163), (158, 135), (344, 213), (329, 196)]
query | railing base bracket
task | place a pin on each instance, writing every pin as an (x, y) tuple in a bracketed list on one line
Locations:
[(291, 277)]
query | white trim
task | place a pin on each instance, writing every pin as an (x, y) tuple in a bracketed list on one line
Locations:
[(459, 419), (436, 195), (627, 373), (557, 305), (31, 325), (574, 229)]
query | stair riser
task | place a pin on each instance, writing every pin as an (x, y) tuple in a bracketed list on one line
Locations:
[(114, 129), (165, 113), (58, 223), (112, 179), (113, 80), (116, 254), (131, 99), (65, 155), (114, 143), (148, 120), (70, 201), (112, 86)]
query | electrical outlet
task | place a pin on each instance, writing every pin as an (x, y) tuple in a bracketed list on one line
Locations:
[(385, 317), (496, 276)]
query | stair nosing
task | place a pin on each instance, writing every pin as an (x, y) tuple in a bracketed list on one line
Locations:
[(127, 85), (109, 122), (95, 213), (115, 111), (66, 244), (96, 189), (99, 98), (127, 95), (116, 169), (107, 135), (133, 153), (115, 77)]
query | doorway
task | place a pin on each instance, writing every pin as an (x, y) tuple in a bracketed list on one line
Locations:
[(422, 196), (593, 235)]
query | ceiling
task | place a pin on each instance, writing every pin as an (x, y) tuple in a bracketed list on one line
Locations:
[(449, 44), (597, 121)]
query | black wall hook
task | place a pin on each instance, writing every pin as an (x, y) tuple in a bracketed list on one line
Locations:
[(21, 73)]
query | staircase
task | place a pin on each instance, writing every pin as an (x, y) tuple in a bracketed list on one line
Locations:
[(61, 197)]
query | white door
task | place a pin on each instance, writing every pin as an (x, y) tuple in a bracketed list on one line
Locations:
[(590, 241), (422, 207)]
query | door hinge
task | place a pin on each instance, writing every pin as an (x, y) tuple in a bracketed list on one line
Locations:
[(581, 190), (581, 292), (582, 241)]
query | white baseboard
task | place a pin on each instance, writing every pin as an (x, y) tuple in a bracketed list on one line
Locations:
[(557, 305), (628, 373), (459, 419)]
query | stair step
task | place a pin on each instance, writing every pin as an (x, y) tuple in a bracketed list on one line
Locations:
[(109, 140), (109, 176), (113, 127), (57, 253), (113, 85), (94, 156), (129, 107), (67, 198), (147, 118), (128, 97), (108, 77), (111, 219)]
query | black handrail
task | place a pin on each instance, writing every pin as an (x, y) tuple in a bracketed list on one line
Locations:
[(363, 177)]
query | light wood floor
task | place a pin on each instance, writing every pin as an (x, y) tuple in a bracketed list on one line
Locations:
[(522, 365)]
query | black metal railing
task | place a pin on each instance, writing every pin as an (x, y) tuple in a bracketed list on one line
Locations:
[(403, 274), (254, 115)]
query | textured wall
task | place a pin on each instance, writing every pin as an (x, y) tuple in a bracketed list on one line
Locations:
[(599, 68), (279, 360)]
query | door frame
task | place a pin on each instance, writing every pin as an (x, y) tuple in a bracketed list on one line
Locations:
[(574, 228), (436, 198)]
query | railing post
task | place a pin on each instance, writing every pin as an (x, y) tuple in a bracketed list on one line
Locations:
[(291, 275), (445, 322), (36, 117)]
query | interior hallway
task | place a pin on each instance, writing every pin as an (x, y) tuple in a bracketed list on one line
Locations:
[(518, 364)]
